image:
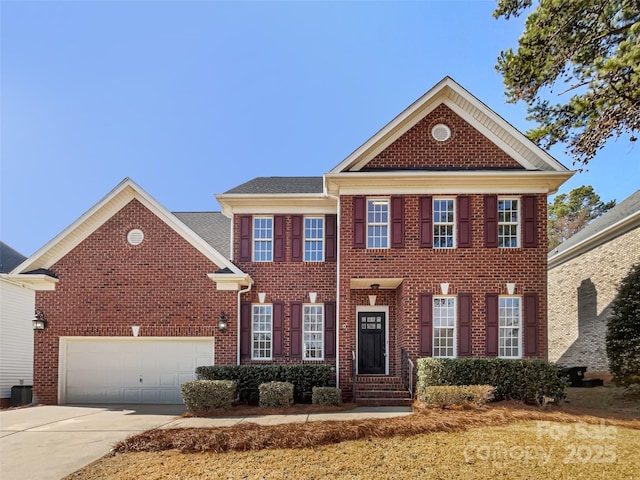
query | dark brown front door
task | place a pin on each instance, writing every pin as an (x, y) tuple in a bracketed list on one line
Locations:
[(371, 343)]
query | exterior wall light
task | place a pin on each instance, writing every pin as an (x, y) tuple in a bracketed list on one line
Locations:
[(39, 322), (222, 322)]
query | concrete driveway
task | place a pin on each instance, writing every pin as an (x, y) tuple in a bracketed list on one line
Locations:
[(51, 441)]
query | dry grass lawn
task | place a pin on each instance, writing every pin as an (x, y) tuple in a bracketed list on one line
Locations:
[(502, 441)]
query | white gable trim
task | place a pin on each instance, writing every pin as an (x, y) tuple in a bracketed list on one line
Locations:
[(473, 111), (100, 213)]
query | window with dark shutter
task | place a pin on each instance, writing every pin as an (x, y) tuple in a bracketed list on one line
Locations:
[(245, 329), (330, 330), (464, 221), (278, 238), (530, 222), (491, 324), (491, 221), (426, 229), (296, 329), (359, 222), (397, 222), (278, 329), (331, 238), (464, 324), (426, 324), (245, 237), (296, 238), (530, 324)]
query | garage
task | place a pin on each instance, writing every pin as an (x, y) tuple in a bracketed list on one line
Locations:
[(129, 370)]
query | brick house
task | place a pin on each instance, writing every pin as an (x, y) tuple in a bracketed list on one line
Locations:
[(584, 274), (428, 240)]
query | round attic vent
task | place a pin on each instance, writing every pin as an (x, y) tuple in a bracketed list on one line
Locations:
[(441, 132), (135, 237)]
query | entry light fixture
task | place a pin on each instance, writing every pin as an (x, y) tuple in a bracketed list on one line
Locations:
[(39, 322), (222, 322), (375, 286)]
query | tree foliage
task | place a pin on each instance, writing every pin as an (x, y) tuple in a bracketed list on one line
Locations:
[(623, 331), (570, 213), (589, 49)]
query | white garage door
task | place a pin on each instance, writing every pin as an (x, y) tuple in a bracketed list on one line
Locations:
[(130, 370)]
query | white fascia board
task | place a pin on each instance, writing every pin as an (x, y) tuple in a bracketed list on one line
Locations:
[(229, 281), (445, 182), (39, 282), (619, 228), (277, 204)]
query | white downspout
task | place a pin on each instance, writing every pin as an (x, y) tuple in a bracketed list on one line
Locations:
[(240, 292), (337, 198)]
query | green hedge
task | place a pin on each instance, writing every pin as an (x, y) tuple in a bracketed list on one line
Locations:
[(249, 377), (206, 394), (276, 394), (326, 396), (531, 381)]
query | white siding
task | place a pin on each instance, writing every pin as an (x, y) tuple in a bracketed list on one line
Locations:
[(17, 305)]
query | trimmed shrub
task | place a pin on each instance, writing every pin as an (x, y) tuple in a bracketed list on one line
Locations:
[(276, 394), (326, 396), (443, 396), (531, 381), (480, 394), (249, 377), (207, 394)]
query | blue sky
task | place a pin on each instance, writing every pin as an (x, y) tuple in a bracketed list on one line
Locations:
[(190, 99)]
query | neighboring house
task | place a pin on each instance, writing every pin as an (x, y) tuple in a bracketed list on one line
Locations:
[(428, 240), (17, 303), (584, 274)]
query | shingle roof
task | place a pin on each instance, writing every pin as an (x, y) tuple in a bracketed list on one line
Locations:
[(9, 258), (213, 227), (621, 211), (282, 185)]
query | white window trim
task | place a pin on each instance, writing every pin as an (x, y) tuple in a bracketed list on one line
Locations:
[(261, 240), (455, 326), (454, 223), (520, 328), (518, 225), (253, 357), (304, 237), (387, 200), (375, 308), (322, 332)]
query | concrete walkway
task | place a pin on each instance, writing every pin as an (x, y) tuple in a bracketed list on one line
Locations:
[(51, 441)]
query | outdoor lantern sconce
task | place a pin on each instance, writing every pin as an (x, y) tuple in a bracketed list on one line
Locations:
[(222, 322), (39, 322)]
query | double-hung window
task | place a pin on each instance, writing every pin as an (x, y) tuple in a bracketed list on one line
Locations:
[(509, 322), (262, 239), (444, 327), (443, 223), (508, 222), (313, 332), (378, 223), (261, 332), (313, 239)]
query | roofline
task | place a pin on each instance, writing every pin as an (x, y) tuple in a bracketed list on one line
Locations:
[(612, 231), (265, 203), (112, 202)]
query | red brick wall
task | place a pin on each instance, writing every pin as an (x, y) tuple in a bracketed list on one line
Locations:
[(107, 285), (467, 148), (476, 270)]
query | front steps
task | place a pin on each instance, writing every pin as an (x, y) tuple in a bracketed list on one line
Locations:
[(381, 390)]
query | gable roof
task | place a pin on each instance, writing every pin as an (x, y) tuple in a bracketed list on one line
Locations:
[(213, 227), (279, 185), (9, 258), (97, 215), (619, 220), (473, 111)]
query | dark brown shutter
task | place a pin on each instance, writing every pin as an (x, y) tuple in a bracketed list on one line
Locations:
[(297, 225), (426, 324), (491, 221), (491, 324), (278, 329), (530, 222), (245, 329), (426, 229), (359, 222), (331, 238), (278, 238), (530, 324), (296, 329), (245, 237), (464, 221), (397, 222), (464, 324), (330, 330)]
